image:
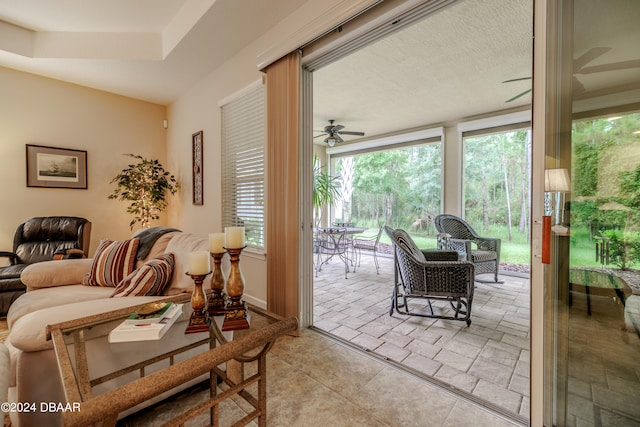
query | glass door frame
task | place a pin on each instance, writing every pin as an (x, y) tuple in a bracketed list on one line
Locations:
[(552, 125), (544, 126)]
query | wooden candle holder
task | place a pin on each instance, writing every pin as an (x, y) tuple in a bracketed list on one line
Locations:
[(199, 320), (236, 315), (217, 298)]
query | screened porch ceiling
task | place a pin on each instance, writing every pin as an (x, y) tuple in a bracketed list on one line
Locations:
[(451, 66), (448, 67)]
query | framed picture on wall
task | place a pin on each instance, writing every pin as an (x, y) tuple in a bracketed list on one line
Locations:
[(54, 167), (197, 142)]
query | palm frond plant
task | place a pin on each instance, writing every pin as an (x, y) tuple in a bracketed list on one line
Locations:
[(145, 184), (326, 189)]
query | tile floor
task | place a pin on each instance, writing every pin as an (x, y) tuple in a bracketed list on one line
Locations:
[(489, 360), (314, 380), (602, 364)]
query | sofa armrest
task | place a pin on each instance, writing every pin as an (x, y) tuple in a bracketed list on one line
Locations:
[(48, 274), (13, 258), (29, 332)]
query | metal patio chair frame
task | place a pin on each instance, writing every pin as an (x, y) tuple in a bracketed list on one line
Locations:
[(367, 243)]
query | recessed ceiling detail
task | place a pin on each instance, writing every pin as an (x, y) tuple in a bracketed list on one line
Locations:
[(153, 50), (94, 29)]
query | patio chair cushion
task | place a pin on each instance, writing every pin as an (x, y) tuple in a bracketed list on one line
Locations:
[(480, 255)]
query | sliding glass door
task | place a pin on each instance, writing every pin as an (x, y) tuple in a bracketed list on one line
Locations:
[(593, 280)]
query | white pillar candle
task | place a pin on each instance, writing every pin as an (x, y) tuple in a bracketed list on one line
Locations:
[(216, 243), (234, 237), (199, 262)]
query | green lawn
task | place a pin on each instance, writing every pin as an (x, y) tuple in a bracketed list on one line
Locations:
[(511, 252), (518, 250)]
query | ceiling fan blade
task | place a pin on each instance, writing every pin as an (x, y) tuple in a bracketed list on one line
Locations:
[(336, 128), (318, 136), (517, 80), (351, 133), (577, 86), (518, 95), (608, 91), (588, 56), (622, 65)]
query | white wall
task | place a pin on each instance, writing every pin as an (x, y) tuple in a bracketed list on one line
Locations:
[(42, 111), (198, 110)]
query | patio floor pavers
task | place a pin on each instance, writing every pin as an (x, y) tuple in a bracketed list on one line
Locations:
[(486, 359)]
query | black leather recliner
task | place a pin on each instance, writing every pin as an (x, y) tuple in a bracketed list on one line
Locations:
[(41, 239)]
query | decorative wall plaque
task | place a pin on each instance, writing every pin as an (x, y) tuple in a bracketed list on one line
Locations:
[(197, 142)]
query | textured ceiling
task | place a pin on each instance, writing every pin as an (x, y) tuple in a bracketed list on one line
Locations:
[(443, 68), (447, 67), (452, 65)]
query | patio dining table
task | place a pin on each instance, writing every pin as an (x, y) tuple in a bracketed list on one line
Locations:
[(339, 230), (332, 241)]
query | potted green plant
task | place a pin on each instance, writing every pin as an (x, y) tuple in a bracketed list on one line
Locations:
[(145, 184), (326, 189)]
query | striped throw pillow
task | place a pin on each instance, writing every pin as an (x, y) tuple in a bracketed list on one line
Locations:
[(113, 261), (148, 280)]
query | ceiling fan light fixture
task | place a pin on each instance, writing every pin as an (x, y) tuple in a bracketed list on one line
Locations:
[(331, 141)]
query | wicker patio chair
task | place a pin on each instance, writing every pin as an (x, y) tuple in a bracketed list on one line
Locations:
[(483, 252), (430, 275), (367, 243)]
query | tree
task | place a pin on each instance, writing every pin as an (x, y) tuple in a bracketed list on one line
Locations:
[(507, 195), (496, 180), (425, 183), (144, 184), (525, 173), (380, 178), (347, 168)]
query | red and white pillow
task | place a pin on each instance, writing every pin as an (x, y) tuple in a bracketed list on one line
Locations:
[(114, 266)]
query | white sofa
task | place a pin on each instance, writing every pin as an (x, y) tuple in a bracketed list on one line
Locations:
[(56, 293)]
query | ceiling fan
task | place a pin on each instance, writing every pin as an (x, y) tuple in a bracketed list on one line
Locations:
[(334, 132), (579, 68)]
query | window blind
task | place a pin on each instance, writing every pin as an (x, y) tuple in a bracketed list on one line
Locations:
[(243, 141)]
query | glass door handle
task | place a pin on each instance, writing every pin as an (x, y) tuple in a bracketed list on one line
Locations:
[(546, 239)]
